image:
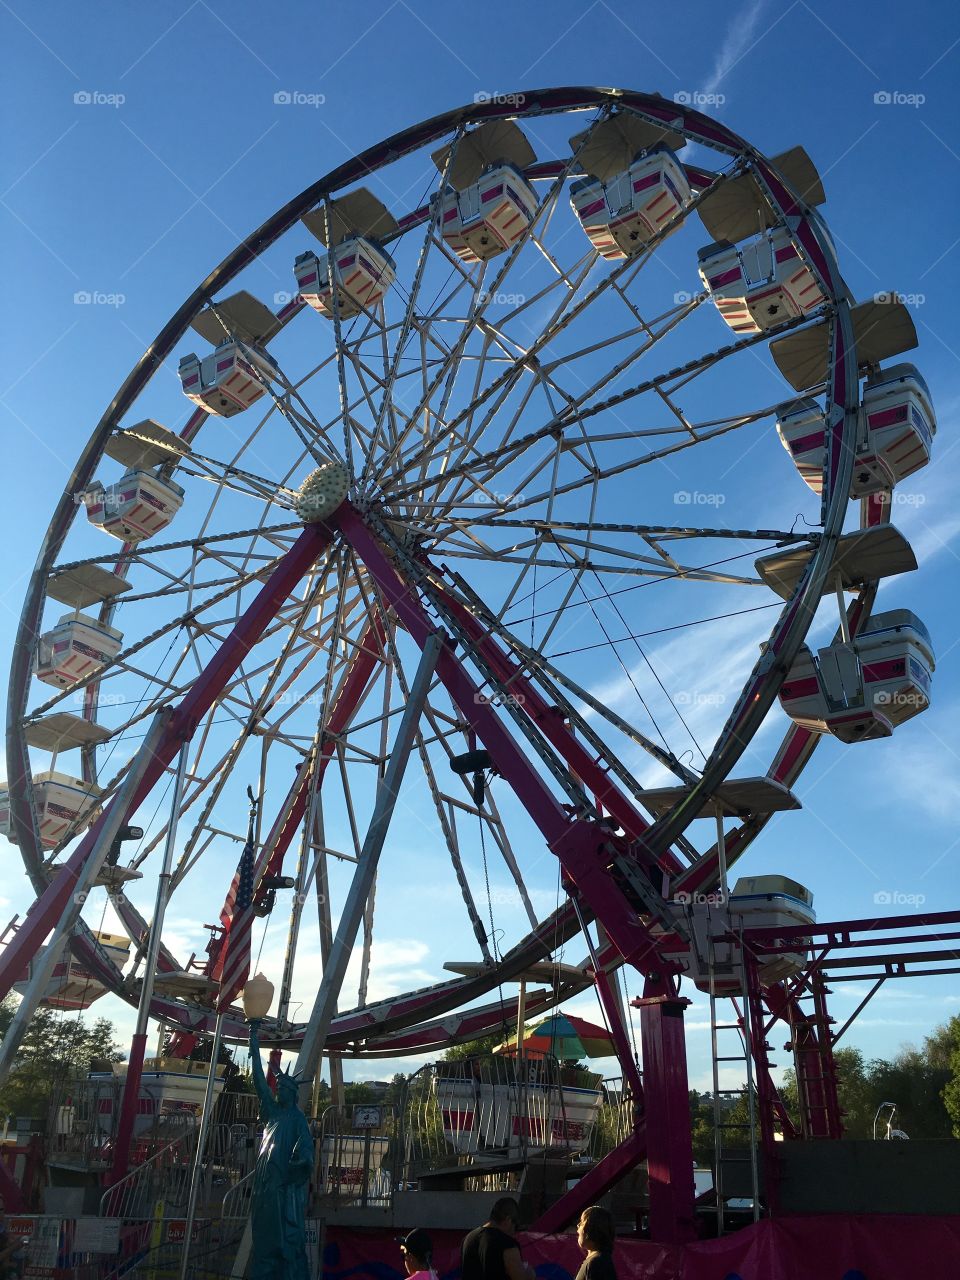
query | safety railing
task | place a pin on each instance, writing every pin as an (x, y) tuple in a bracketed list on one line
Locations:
[(357, 1150), (236, 1203), (161, 1176), (615, 1119), (498, 1108)]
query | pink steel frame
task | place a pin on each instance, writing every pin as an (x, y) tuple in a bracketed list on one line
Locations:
[(583, 853)]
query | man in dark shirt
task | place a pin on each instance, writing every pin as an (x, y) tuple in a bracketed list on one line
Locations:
[(491, 1252)]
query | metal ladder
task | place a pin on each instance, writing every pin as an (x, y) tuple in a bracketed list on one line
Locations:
[(811, 1043), (737, 1036)]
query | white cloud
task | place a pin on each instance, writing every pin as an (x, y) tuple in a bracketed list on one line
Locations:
[(736, 43), (925, 776)]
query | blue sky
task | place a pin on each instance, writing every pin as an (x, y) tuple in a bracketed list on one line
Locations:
[(149, 140)]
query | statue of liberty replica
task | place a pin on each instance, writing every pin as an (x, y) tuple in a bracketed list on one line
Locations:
[(282, 1178)]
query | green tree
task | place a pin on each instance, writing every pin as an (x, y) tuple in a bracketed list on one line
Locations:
[(358, 1091), (55, 1049), (942, 1049), (921, 1082), (396, 1094), (917, 1085), (701, 1127), (471, 1048)]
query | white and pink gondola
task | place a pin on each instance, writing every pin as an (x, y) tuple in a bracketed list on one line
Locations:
[(502, 1105), (623, 214), (230, 379), (489, 216), (357, 273), (760, 284), (77, 647), (864, 689), (60, 803), (72, 985), (138, 506), (714, 961), (897, 426)]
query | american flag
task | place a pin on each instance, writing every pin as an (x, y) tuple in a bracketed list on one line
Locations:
[(235, 967)]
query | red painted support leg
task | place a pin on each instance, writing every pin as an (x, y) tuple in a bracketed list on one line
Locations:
[(208, 686), (828, 1069), (666, 1111), (128, 1110)]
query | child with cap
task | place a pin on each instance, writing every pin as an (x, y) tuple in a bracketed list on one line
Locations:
[(417, 1249)]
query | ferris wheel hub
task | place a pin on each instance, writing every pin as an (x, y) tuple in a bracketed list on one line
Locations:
[(322, 492)]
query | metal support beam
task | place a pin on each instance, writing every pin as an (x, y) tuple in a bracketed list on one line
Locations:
[(581, 846), (138, 1046), (352, 915), (196, 1173), (813, 1058), (858, 1010), (666, 1111)]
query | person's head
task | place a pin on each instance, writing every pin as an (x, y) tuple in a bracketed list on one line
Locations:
[(595, 1230), (417, 1249), (505, 1214)]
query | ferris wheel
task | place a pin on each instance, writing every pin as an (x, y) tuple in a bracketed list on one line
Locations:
[(476, 431)]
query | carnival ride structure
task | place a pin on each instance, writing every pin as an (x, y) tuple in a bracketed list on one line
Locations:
[(399, 540)]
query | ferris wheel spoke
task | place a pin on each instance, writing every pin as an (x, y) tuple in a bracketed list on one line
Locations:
[(563, 318), (486, 812), (576, 402), (249, 715), (441, 379), (449, 835), (446, 806), (647, 532), (553, 676), (606, 473), (236, 480), (584, 561), (476, 314), (339, 704), (392, 371), (500, 456), (467, 484)]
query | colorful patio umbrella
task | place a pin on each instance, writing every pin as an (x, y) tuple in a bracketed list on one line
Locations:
[(566, 1037)]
